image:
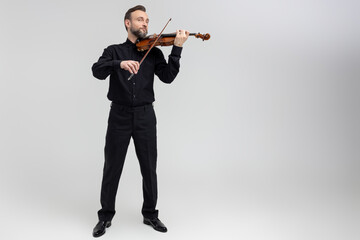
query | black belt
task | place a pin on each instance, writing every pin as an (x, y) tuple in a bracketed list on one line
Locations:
[(131, 109)]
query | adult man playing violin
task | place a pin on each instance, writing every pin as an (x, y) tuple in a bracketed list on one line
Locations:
[(132, 114)]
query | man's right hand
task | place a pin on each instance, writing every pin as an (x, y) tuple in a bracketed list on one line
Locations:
[(131, 66)]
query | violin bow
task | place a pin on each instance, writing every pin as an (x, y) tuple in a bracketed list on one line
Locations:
[(150, 47)]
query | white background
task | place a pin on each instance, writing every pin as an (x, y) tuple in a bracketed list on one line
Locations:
[(258, 136)]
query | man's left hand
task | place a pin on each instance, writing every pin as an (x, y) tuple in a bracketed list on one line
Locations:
[(181, 37)]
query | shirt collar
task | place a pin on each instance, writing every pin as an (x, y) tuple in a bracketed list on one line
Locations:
[(128, 42)]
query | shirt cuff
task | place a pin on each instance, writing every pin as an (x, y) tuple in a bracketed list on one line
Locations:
[(176, 51), (116, 64)]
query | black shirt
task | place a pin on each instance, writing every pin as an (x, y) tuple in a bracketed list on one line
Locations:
[(139, 90)]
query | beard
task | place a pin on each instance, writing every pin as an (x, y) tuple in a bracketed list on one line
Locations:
[(138, 33)]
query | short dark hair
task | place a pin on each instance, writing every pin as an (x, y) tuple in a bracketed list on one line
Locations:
[(133, 9)]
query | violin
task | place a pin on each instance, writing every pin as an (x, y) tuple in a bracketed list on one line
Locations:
[(164, 40), (149, 42)]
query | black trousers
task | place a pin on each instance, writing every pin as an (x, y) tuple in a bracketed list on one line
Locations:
[(124, 123)]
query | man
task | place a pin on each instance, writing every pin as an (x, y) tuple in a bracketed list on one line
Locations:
[(132, 114)]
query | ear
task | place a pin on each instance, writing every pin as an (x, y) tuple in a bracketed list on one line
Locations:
[(127, 23)]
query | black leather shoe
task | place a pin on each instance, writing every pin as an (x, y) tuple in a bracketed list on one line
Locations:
[(156, 224), (100, 228)]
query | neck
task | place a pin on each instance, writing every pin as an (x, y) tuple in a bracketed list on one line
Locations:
[(174, 34), (132, 37)]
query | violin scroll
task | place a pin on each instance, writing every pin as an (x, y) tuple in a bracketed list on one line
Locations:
[(203, 37)]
